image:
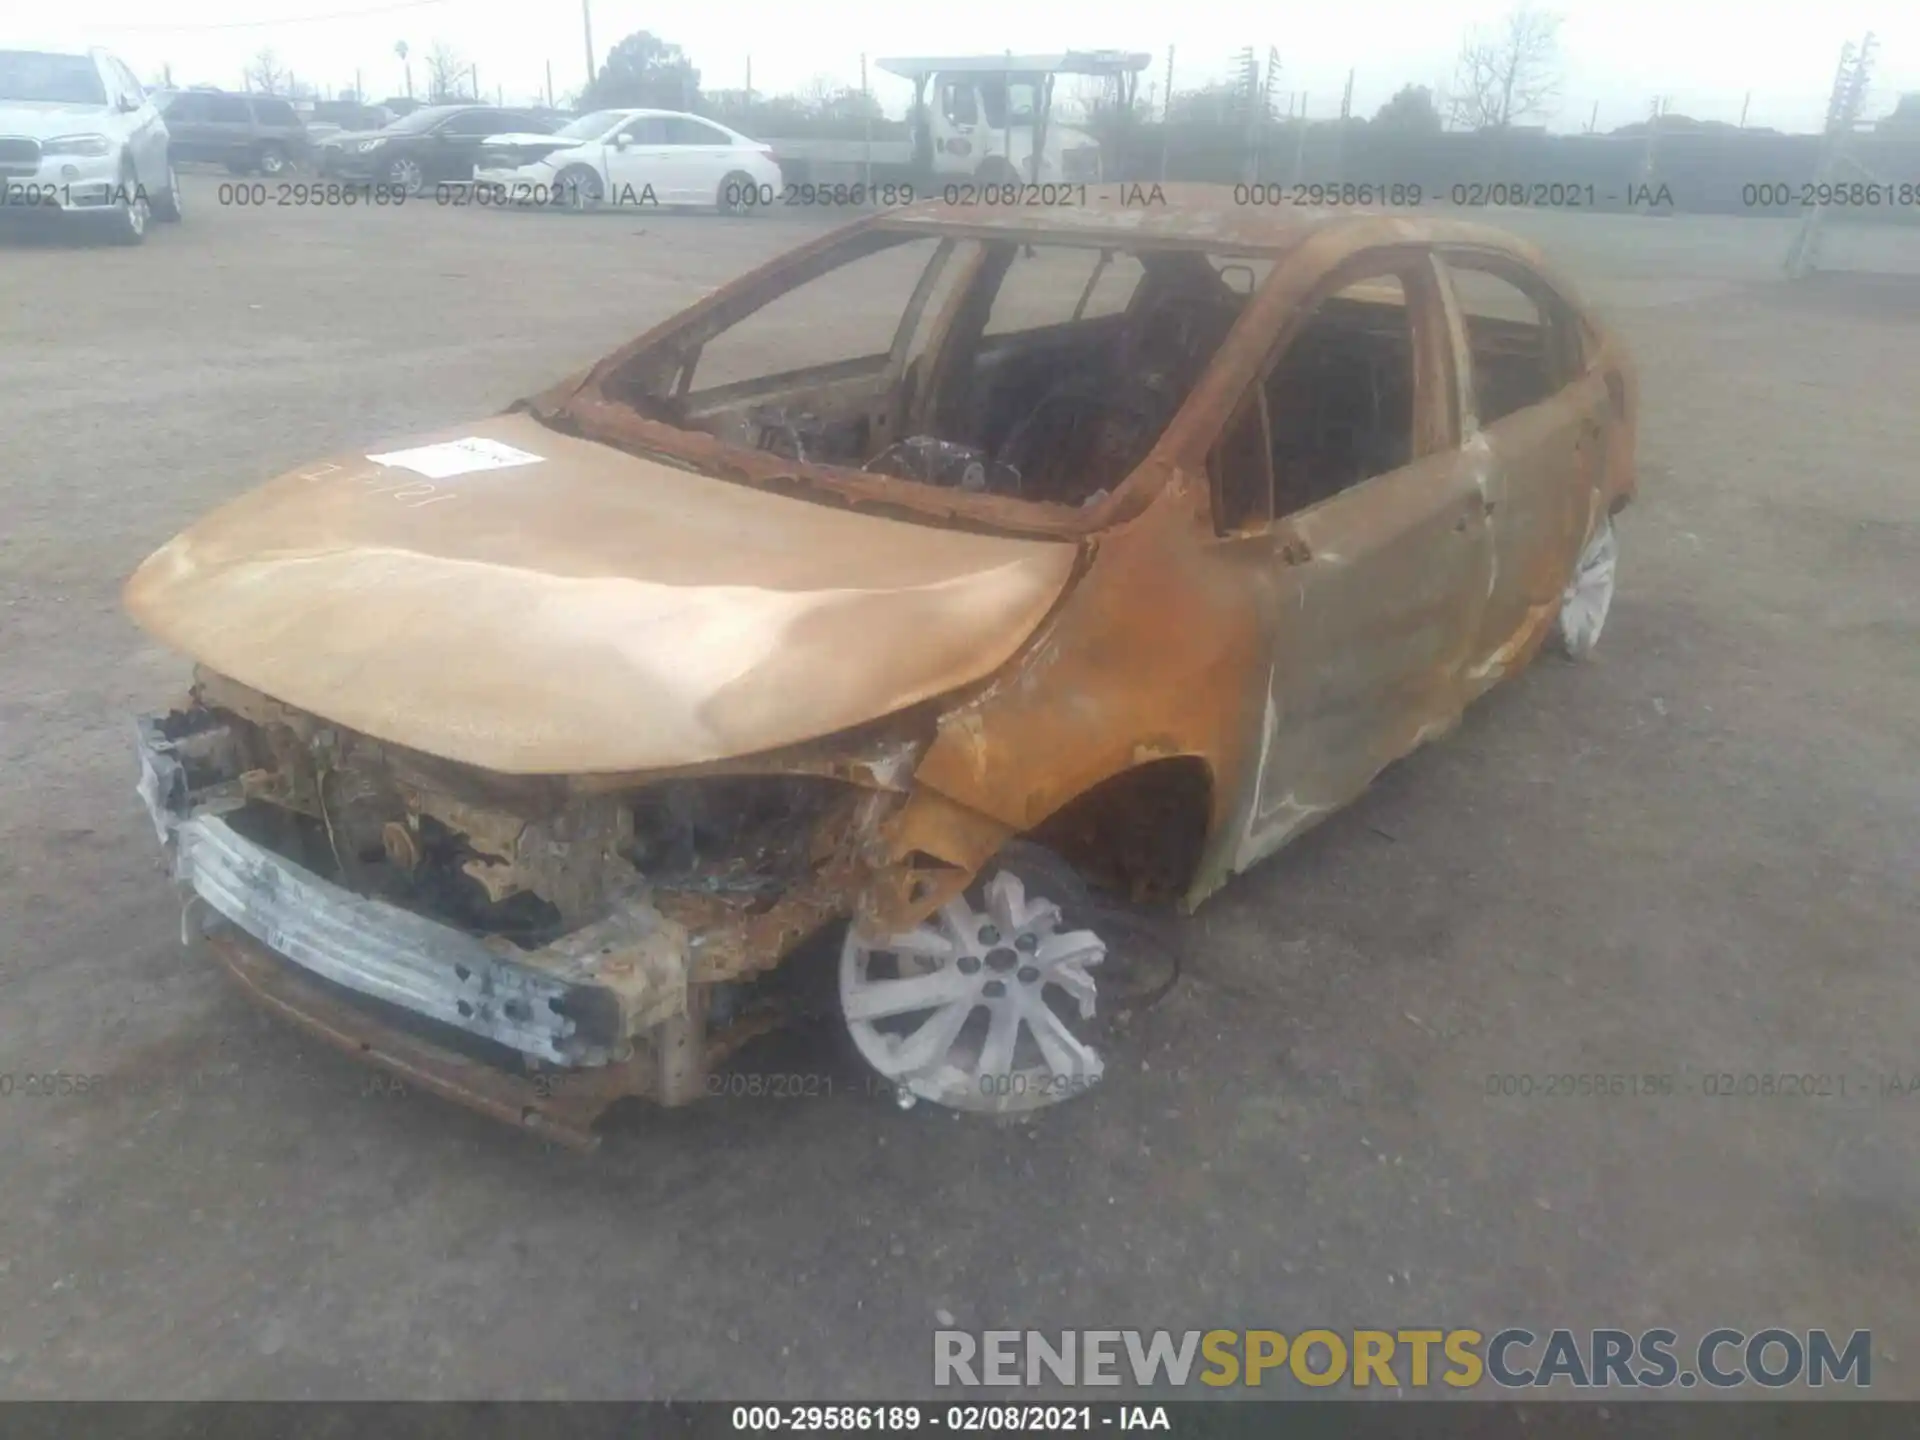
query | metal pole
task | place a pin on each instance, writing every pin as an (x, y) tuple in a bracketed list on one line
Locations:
[(1743, 109), (586, 22), (473, 80), (1593, 119), (1166, 116), (749, 83), (1006, 109), (1300, 143), (866, 116), (550, 84)]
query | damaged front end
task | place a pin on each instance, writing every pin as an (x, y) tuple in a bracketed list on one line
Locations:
[(534, 946)]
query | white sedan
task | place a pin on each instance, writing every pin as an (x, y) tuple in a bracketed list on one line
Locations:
[(618, 159)]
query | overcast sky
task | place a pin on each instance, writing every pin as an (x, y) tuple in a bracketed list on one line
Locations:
[(1619, 54)]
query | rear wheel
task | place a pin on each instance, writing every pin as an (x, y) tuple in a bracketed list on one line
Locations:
[(272, 160), (738, 195), (1589, 594)]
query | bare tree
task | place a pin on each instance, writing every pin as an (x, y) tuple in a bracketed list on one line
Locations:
[(265, 73), (1508, 74), (446, 72)]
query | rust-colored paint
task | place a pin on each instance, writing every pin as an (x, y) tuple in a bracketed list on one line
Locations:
[(1292, 658)]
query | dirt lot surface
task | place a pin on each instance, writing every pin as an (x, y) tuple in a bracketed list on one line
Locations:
[(1696, 854)]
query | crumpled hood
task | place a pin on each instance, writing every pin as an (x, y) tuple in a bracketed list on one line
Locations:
[(509, 597)]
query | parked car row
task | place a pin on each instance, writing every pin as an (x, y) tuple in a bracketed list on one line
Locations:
[(79, 133)]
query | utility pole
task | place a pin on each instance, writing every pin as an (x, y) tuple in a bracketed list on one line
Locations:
[(1743, 109), (749, 100), (1166, 117), (1593, 119), (866, 117), (1300, 142), (1253, 98), (550, 84), (586, 22)]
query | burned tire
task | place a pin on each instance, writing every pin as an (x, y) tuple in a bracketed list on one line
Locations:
[(1589, 594)]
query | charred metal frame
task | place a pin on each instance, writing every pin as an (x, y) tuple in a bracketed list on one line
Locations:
[(1162, 649)]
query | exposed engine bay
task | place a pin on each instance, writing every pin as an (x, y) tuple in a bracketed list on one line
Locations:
[(621, 928), (517, 859)]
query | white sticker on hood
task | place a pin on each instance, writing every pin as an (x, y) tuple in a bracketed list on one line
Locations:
[(457, 457)]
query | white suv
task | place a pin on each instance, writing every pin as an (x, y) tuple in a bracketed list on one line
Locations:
[(78, 136)]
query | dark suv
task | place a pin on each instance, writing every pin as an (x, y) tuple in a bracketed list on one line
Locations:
[(246, 133)]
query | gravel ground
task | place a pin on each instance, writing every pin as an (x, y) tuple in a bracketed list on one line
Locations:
[(1696, 854)]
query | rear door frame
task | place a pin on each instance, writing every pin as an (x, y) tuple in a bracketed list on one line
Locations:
[(1541, 513)]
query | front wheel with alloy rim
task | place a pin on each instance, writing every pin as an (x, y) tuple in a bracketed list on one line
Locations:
[(272, 160), (580, 188), (405, 175), (166, 205), (127, 220), (1589, 594), (984, 1007)]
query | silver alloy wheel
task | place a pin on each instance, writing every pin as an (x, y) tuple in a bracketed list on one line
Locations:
[(131, 215), (737, 194), (172, 209), (580, 188), (967, 1009), (272, 160), (405, 175), (1589, 594)]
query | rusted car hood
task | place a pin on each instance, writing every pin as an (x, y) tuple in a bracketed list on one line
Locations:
[(588, 611)]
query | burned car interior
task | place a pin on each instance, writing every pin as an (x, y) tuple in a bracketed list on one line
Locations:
[(989, 390), (1047, 373)]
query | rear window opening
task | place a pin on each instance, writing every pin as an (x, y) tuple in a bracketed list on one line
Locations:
[(1524, 347), (1037, 372)]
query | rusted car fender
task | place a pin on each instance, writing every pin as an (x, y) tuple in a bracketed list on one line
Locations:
[(1158, 652)]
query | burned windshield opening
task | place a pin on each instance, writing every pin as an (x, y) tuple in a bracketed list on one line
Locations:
[(1040, 372)]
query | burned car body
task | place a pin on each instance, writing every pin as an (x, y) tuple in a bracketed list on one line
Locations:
[(1146, 535)]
